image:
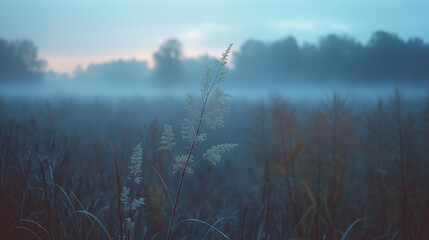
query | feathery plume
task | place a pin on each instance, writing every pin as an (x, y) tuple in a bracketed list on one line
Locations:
[(214, 154), (167, 138)]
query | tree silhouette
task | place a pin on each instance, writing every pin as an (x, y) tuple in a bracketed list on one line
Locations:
[(402, 136), (377, 146), (19, 62), (288, 147), (340, 125), (168, 64), (261, 145), (316, 137)]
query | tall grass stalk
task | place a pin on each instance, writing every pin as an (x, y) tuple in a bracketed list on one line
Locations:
[(119, 190), (219, 75), (209, 225)]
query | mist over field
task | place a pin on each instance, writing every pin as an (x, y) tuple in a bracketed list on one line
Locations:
[(311, 125), (257, 69)]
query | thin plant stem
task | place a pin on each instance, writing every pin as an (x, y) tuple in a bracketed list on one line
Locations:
[(179, 188), (184, 169), (119, 190)]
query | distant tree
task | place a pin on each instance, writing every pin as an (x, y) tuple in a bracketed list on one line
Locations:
[(260, 143), (19, 62), (192, 67), (168, 62), (317, 136), (340, 124), (338, 57), (377, 146), (284, 58), (385, 58), (288, 146), (252, 61), (425, 163), (118, 71), (376, 134), (426, 119), (402, 136)]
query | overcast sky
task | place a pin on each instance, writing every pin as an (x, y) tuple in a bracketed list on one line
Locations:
[(74, 32)]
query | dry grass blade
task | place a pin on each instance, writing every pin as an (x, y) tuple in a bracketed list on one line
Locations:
[(28, 221), (351, 226), (37, 224), (199, 221), (98, 221), (165, 186), (309, 192), (214, 224), (28, 230), (301, 220), (119, 189), (81, 205)]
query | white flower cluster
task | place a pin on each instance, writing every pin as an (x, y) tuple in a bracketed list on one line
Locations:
[(130, 224), (137, 203), (190, 123), (210, 105), (201, 138), (180, 162), (214, 154), (215, 109), (167, 138), (126, 201), (131, 204), (136, 164), (207, 108)]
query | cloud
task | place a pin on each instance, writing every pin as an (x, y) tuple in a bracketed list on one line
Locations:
[(193, 34), (307, 26), (287, 25), (203, 31)]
